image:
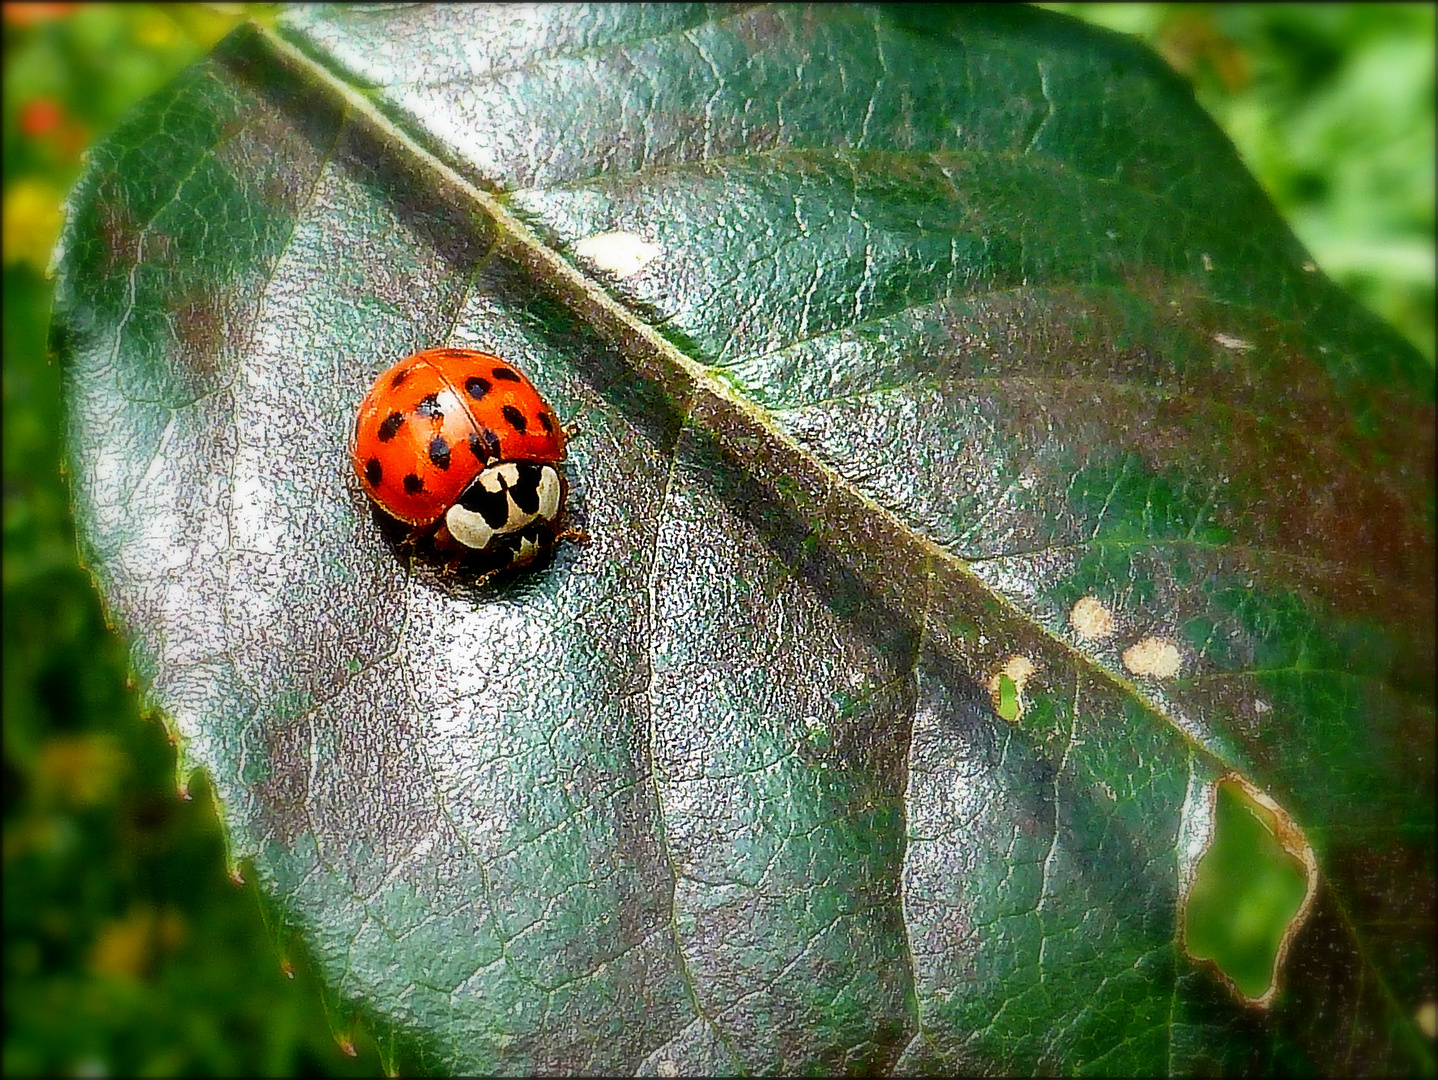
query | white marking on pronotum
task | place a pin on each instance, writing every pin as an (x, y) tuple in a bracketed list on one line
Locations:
[(470, 528), (622, 254), (548, 494), (1155, 657)]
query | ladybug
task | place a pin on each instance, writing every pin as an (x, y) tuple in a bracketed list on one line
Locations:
[(458, 444)]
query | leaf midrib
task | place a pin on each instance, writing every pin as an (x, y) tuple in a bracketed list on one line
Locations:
[(589, 299)]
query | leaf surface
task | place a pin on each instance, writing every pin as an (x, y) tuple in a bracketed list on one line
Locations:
[(912, 352)]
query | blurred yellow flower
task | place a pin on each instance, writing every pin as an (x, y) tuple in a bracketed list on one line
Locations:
[(32, 219), (155, 31), (125, 946), (79, 770), (130, 945)]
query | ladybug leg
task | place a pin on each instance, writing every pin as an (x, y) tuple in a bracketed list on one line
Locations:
[(415, 536), (573, 535), (445, 542), (481, 580)]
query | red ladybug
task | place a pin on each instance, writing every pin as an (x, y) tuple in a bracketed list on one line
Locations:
[(458, 443)]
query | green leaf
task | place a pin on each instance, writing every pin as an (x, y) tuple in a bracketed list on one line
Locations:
[(915, 352)]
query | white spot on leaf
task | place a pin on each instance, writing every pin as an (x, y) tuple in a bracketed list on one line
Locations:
[(622, 254), (1157, 658), (1091, 620), (1427, 1018), (1237, 344)]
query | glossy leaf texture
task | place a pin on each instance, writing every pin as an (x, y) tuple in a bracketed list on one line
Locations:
[(929, 364)]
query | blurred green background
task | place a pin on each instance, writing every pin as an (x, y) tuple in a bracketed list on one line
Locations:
[(128, 948)]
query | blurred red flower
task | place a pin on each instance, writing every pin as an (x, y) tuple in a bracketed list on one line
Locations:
[(39, 117), (26, 14)]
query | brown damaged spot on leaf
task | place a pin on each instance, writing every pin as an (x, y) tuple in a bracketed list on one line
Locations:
[(283, 793), (1293, 842), (203, 324), (1252, 360), (119, 231)]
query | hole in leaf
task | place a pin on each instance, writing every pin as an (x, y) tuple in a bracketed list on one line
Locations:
[(1006, 686), (1250, 892), (1008, 699)]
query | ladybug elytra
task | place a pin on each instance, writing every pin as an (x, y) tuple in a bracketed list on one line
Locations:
[(458, 444)]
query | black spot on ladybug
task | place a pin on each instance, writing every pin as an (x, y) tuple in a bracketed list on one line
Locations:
[(484, 445), (525, 490), (476, 387), (493, 506), (439, 452), (413, 484), (372, 472), (546, 422), (399, 377), (505, 374), (390, 428), (515, 418), (429, 406)]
